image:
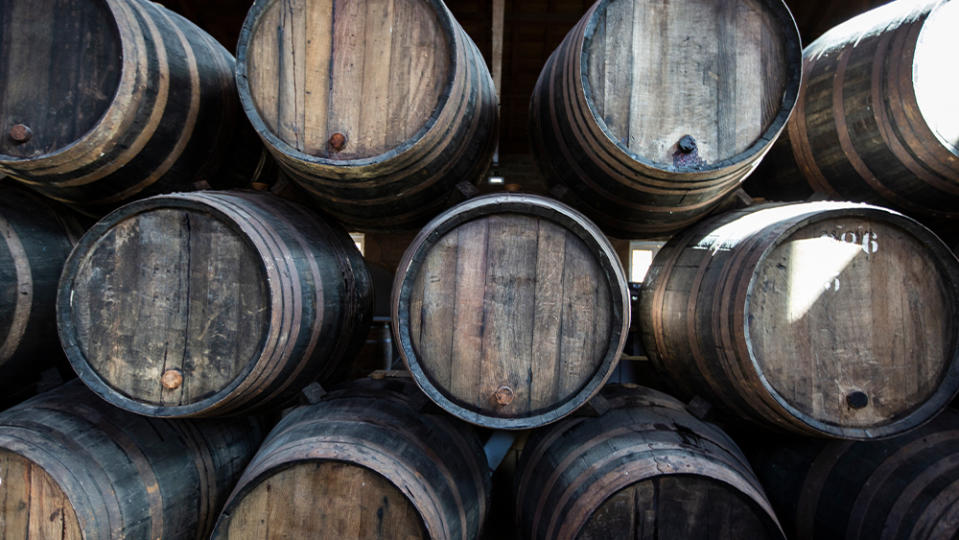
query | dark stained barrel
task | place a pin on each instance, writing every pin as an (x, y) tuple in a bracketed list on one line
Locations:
[(875, 120), (35, 240), (378, 108), (211, 303), (645, 468), (650, 113), (75, 467), (905, 487), (104, 101), (510, 310), (364, 462), (827, 319)]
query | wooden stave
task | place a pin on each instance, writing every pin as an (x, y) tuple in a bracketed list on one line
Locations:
[(264, 383), (44, 236), (894, 488), (737, 383), (194, 133), (456, 145), (624, 194), (91, 449), (490, 205), (420, 447), (820, 152), (555, 461)]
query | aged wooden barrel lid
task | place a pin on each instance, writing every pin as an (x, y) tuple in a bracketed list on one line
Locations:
[(678, 100), (851, 318), (345, 500), (167, 304), (66, 59), (934, 83), (510, 310), (34, 505), (346, 81)]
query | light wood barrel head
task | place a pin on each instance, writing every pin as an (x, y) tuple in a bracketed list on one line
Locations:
[(510, 314), (934, 82), (60, 65), (327, 499), (851, 321), (32, 504), (679, 506), (348, 79), (170, 295), (656, 72)]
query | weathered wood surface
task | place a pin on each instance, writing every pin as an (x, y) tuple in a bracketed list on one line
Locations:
[(364, 462), (111, 100), (649, 113), (830, 319), (35, 240), (212, 303), (510, 310), (379, 108), (72, 466), (904, 487), (643, 469), (875, 120)]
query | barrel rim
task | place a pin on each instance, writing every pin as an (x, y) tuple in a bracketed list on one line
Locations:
[(502, 203), (65, 320), (246, 486), (126, 78), (275, 144), (794, 57), (948, 386)]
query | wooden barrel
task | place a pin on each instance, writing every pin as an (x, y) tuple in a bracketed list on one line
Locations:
[(104, 101), (645, 468), (364, 462), (904, 487), (35, 240), (74, 467), (378, 108), (828, 319), (876, 120), (211, 303), (510, 311), (648, 114)]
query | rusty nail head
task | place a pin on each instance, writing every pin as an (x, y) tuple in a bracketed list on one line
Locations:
[(20, 133), (504, 395), (857, 399), (687, 144), (337, 141), (171, 379)]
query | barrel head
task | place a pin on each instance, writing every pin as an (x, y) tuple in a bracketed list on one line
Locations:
[(34, 505)]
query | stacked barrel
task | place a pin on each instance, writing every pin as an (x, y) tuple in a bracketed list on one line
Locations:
[(214, 329)]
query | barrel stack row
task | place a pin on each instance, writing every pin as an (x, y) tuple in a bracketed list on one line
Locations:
[(509, 311)]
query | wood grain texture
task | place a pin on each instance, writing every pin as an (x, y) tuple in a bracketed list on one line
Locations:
[(35, 240), (874, 121), (73, 466), (378, 108), (827, 319), (366, 461), (903, 487), (245, 296), (33, 505), (346, 501), (633, 78), (124, 99), (644, 468), (511, 309)]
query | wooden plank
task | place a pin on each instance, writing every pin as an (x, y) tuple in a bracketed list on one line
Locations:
[(291, 72), (509, 303), (372, 128), (618, 75), (319, 45), (32, 504), (346, 98), (436, 285), (468, 322), (546, 354)]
